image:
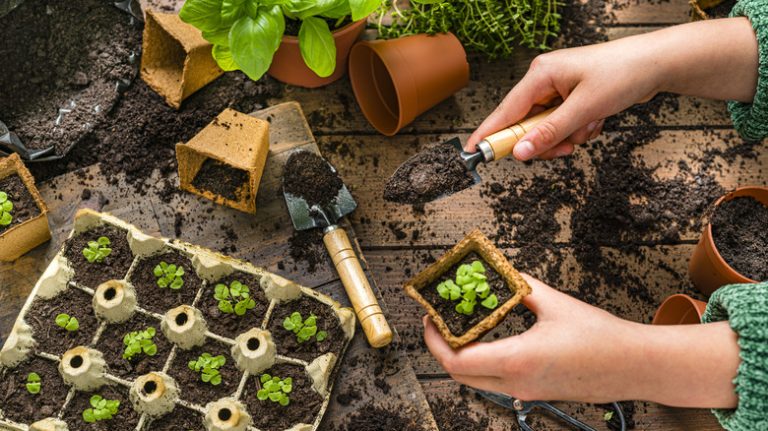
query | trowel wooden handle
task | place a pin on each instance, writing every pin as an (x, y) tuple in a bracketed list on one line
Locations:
[(503, 141), (358, 289)]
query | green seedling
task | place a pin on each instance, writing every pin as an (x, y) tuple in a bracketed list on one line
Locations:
[(304, 329), (139, 342), (169, 276), (67, 322), (33, 383), (234, 299), (608, 416), (471, 284), (98, 250), (275, 389), (208, 366), (101, 409), (6, 208)]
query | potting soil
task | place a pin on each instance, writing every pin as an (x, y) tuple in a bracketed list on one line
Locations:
[(221, 179), (24, 205), (740, 235), (309, 176)]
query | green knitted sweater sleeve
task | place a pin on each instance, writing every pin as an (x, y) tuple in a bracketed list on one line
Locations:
[(745, 307), (751, 119)]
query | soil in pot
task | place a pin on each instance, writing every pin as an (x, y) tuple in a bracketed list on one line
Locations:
[(113, 267), (292, 26), (154, 298), (191, 387), (126, 418), (286, 341), (304, 403), (111, 345), (181, 418), (427, 175), (230, 324), (309, 176), (221, 179), (21, 406), (460, 323), (740, 235), (54, 339), (24, 205)]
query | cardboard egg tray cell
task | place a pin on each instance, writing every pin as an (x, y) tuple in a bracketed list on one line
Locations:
[(112, 298)]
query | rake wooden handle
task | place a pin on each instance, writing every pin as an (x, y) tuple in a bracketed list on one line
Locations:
[(358, 289), (503, 141)]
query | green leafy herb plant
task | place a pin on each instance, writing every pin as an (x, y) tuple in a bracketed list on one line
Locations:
[(138, 342), (98, 250), (304, 329), (67, 322), (101, 409), (208, 367), (6, 208), (170, 276), (34, 383), (470, 285), (246, 33), (275, 389), (234, 299)]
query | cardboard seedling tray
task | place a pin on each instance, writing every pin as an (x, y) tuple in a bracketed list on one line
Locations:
[(86, 371)]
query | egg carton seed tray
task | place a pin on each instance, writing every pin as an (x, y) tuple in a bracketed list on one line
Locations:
[(185, 323)]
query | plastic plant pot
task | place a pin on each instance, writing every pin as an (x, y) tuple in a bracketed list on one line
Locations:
[(396, 80), (288, 65), (707, 268), (176, 61), (679, 309), (23, 237)]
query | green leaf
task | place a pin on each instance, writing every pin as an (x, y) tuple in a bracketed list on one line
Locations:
[(203, 14), (3, 197), (478, 267), (5, 219), (103, 241), (72, 325), (321, 335), (341, 10), (158, 271), (363, 8), (288, 324), (177, 283), (317, 46), (33, 388), (443, 290), (216, 380), (254, 41), (265, 378), (221, 292), (89, 416), (490, 302), (219, 36), (33, 377), (151, 350), (262, 394), (240, 308), (95, 400), (226, 307), (231, 10), (284, 401), (7, 206), (608, 416), (62, 320)]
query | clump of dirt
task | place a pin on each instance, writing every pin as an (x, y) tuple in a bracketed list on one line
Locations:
[(740, 235), (309, 176), (221, 179), (375, 418), (453, 415), (307, 246), (427, 175)]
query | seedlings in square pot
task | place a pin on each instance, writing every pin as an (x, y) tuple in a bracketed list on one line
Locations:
[(221, 312), (26, 399), (143, 353), (164, 281), (326, 321), (98, 255), (211, 361), (139, 342), (108, 408), (45, 316)]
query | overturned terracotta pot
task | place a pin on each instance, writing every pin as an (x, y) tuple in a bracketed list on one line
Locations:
[(176, 61), (679, 309), (22, 237)]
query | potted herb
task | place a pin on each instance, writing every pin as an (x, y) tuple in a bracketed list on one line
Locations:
[(304, 43)]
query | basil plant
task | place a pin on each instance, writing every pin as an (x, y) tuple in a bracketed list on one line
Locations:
[(246, 33)]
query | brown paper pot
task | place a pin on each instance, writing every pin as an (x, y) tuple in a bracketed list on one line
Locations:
[(478, 243), (233, 138), (288, 66), (707, 269), (396, 80), (176, 61), (679, 310), (27, 235), (698, 8)]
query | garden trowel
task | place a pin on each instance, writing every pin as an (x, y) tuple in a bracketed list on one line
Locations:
[(345, 260)]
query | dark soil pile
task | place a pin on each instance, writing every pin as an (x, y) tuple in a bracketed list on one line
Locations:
[(739, 229), (375, 418), (21, 406), (56, 340), (456, 415), (113, 267), (327, 320), (221, 179), (309, 176), (428, 175), (181, 418), (24, 205)]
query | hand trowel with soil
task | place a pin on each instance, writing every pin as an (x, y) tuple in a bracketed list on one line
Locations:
[(446, 168), (317, 198)]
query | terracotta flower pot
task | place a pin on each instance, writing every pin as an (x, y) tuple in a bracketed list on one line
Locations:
[(707, 269), (679, 310), (288, 66), (397, 80)]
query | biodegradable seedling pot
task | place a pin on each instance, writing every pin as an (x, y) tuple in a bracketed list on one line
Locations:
[(23, 237), (478, 243), (396, 80), (235, 139), (176, 61), (707, 268), (679, 310), (288, 65)]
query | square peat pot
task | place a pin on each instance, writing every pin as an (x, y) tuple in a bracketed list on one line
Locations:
[(31, 228), (176, 61), (505, 282), (225, 161)]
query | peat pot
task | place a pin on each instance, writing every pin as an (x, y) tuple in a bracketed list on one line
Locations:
[(28, 232)]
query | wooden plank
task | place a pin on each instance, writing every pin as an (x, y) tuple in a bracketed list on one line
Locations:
[(638, 12)]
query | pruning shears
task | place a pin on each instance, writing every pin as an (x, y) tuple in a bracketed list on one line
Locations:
[(523, 408)]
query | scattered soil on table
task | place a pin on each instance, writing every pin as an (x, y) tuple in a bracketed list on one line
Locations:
[(628, 408), (113, 267), (24, 205), (460, 323), (303, 408), (21, 406), (309, 176), (194, 390), (126, 418), (376, 418), (427, 175), (307, 246), (740, 235), (111, 345), (232, 325), (327, 320), (180, 419), (153, 298), (222, 179), (53, 64), (455, 414), (56, 340)]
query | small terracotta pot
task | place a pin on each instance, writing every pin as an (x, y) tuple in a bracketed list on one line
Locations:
[(397, 80), (288, 66), (679, 310), (707, 269)]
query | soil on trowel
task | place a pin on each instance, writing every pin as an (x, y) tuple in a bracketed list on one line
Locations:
[(740, 235), (54, 339), (21, 406), (154, 298), (113, 267), (428, 175), (309, 176), (58, 81), (126, 418), (24, 205), (191, 387), (230, 324), (112, 346), (221, 179), (180, 419), (327, 320)]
